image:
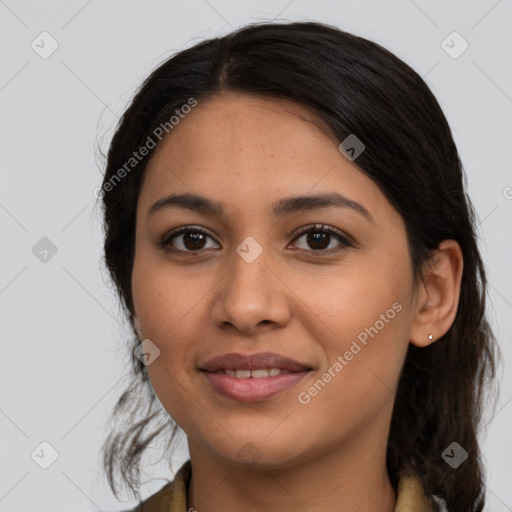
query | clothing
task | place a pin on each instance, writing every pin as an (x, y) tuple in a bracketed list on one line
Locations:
[(172, 497)]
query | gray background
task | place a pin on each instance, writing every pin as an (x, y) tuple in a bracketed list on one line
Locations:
[(64, 361)]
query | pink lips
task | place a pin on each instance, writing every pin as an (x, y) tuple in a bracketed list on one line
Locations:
[(252, 389)]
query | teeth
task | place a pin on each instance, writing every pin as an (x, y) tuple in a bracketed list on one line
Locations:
[(255, 374), (258, 374)]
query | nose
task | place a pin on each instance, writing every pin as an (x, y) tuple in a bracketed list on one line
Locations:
[(251, 297)]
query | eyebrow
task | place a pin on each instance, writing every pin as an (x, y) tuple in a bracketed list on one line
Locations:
[(280, 208)]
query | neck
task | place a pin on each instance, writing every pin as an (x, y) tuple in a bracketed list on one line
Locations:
[(350, 478)]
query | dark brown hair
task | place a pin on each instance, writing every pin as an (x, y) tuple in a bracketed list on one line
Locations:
[(354, 86)]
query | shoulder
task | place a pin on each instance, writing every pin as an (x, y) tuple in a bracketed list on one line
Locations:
[(172, 497), (411, 495)]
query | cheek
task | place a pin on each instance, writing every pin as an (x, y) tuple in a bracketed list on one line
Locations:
[(163, 295), (169, 305), (362, 363), (350, 299), (365, 317)]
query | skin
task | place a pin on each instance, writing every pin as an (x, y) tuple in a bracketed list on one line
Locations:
[(329, 454)]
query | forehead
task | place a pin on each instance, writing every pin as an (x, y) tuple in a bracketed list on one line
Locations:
[(247, 149), (252, 125)]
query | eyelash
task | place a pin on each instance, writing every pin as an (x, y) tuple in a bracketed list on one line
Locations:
[(165, 242)]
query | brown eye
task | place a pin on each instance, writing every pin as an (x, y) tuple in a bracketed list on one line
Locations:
[(193, 240), (187, 240), (318, 240), (322, 238)]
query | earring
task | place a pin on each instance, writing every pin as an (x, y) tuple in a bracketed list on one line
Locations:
[(430, 337)]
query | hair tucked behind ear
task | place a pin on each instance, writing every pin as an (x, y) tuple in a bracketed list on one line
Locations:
[(355, 87)]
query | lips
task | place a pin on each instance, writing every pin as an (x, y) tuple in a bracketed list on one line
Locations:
[(261, 360), (252, 377)]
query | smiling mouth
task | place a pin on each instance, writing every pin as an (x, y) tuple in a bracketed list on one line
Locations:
[(252, 377)]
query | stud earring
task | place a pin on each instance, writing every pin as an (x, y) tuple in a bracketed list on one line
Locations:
[(430, 337)]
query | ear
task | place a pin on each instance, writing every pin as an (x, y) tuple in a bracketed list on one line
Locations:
[(438, 295)]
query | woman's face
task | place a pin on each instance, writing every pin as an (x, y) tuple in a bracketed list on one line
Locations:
[(245, 280)]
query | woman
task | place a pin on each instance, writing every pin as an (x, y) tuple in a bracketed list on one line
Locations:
[(287, 227)]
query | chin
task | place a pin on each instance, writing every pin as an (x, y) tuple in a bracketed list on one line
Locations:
[(262, 454)]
